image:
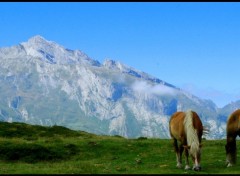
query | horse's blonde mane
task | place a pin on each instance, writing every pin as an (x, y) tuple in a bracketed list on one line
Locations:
[(191, 133)]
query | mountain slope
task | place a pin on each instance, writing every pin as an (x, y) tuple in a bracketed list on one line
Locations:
[(41, 82)]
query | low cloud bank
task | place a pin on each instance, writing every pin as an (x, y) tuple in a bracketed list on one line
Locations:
[(159, 89)]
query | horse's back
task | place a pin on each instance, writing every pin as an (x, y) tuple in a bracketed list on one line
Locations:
[(233, 122)]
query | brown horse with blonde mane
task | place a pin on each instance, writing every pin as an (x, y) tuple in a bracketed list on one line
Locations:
[(233, 130), (186, 127)]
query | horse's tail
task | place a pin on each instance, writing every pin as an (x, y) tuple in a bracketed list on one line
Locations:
[(189, 128), (205, 130), (191, 133)]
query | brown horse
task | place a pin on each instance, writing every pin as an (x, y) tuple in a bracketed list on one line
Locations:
[(186, 127), (233, 130)]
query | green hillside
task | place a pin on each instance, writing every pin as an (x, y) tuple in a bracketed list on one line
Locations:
[(34, 149)]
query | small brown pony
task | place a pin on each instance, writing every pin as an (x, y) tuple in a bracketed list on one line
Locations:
[(186, 127), (233, 130)]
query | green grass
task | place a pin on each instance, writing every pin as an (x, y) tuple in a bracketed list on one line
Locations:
[(32, 149)]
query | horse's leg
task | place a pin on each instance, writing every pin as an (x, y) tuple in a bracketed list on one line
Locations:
[(177, 151), (181, 148), (231, 150), (187, 167)]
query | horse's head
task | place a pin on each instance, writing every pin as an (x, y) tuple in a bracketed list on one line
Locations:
[(231, 154), (195, 152)]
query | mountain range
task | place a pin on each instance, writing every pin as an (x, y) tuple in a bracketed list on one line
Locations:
[(42, 82)]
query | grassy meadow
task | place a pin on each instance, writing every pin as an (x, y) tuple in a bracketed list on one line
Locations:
[(33, 149)]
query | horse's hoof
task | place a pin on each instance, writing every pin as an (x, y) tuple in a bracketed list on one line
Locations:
[(187, 167), (197, 168), (229, 165), (179, 166)]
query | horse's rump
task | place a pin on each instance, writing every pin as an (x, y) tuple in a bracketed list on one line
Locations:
[(176, 125), (233, 123)]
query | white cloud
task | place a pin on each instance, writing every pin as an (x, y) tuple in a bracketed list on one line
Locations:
[(159, 89)]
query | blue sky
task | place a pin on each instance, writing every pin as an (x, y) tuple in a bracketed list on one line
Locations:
[(192, 45)]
